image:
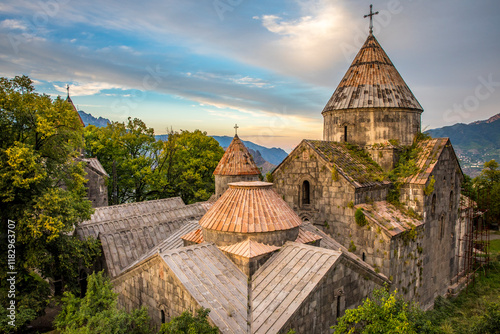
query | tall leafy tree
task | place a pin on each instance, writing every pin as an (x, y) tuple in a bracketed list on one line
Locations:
[(42, 189), (142, 168), (487, 189)]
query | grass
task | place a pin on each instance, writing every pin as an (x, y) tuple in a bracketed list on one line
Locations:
[(466, 312)]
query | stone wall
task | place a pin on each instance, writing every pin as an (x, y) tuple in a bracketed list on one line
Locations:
[(154, 285), (276, 238), (248, 265), (97, 191), (368, 126), (345, 286)]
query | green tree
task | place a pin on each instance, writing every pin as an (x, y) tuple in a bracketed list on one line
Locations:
[(97, 312), (187, 324), (143, 169), (42, 190), (385, 312), (487, 188)]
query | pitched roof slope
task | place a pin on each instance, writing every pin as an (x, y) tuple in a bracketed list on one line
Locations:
[(280, 286), (134, 209), (173, 241), (195, 236), (372, 81), (249, 248), (350, 161), (153, 218), (236, 160), (70, 101), (95, 165), (430, 151), (250, 207), (215, 282), (390, 218)]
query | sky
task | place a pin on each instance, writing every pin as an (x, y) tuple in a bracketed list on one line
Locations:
[(269, 66)]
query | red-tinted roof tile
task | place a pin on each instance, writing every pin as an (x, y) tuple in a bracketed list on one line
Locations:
[(249, 248), (195, 236), (236, 160)]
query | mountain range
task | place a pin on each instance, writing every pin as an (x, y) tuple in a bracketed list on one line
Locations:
[(475, 143)]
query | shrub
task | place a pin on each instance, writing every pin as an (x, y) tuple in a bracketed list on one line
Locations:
[(359, 216)]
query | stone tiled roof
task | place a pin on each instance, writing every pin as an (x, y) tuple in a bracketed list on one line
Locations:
[(173, 241), (390, 218), (250, 207), (306, 237), (350, 161), (187, 212), (236, 160), (285, 281), (95, 165), (215, 282), (430, 151), (372, 81), (121, 211), (123, 247), (195, 236), (248, 248)]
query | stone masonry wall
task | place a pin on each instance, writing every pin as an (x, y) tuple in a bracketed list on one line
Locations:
[(368, 126), (222, 181), (97, 191), (154, 285), (343, 287)]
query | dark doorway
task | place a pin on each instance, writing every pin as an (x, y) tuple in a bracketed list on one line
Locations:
[(306, 199), (163, 317)]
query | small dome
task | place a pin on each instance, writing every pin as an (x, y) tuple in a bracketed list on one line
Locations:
[(250, 209)]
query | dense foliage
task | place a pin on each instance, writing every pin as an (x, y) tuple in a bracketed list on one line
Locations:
[(186, 323), (384, 312), (42, 192), (142, 168), (97, 312), (486, 191)]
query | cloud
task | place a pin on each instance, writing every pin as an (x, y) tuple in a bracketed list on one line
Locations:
[(86, 89), (12, 24)]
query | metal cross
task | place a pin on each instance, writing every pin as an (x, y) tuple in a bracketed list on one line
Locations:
[(371, 18), (236, 129), (67, 88)]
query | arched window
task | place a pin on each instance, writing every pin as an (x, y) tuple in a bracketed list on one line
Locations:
[(163, 320), (441, 227), (306, 195), (433, 205), (345, 133), (338, 306), (451, 200), (363, 256)]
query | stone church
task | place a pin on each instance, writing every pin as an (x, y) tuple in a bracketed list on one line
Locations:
[(370, 119), (296, 253)]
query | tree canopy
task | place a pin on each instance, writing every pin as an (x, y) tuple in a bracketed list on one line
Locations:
[(42, 190), (487, 191), (142, 168), (186, 323)]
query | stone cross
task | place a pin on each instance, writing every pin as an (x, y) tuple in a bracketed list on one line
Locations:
[(236, 129), (371, 18)]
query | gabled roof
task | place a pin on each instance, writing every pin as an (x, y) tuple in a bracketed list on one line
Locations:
[(285, 281), (68, 99), (430, 151), (214, 282), (95, 165), (350, 161), (390, 218), (236, 160), (250, 207), (249, 249), (372, 81), (306, 236)]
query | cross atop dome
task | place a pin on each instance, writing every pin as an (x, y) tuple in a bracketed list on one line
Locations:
[(371, 18)]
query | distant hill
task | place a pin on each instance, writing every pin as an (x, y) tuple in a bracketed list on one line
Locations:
[(474, 143), (89, 119)]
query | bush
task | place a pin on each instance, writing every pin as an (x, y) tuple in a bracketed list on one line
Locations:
[(187, 324), (360, 218)]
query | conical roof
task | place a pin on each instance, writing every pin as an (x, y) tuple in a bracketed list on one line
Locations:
[(250, 207), (236, 160), (372, 81)]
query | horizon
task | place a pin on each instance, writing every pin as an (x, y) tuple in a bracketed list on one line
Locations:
[(271, 68)]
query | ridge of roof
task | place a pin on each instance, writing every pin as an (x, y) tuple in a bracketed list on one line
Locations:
[(237, 160), (372, 81)]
